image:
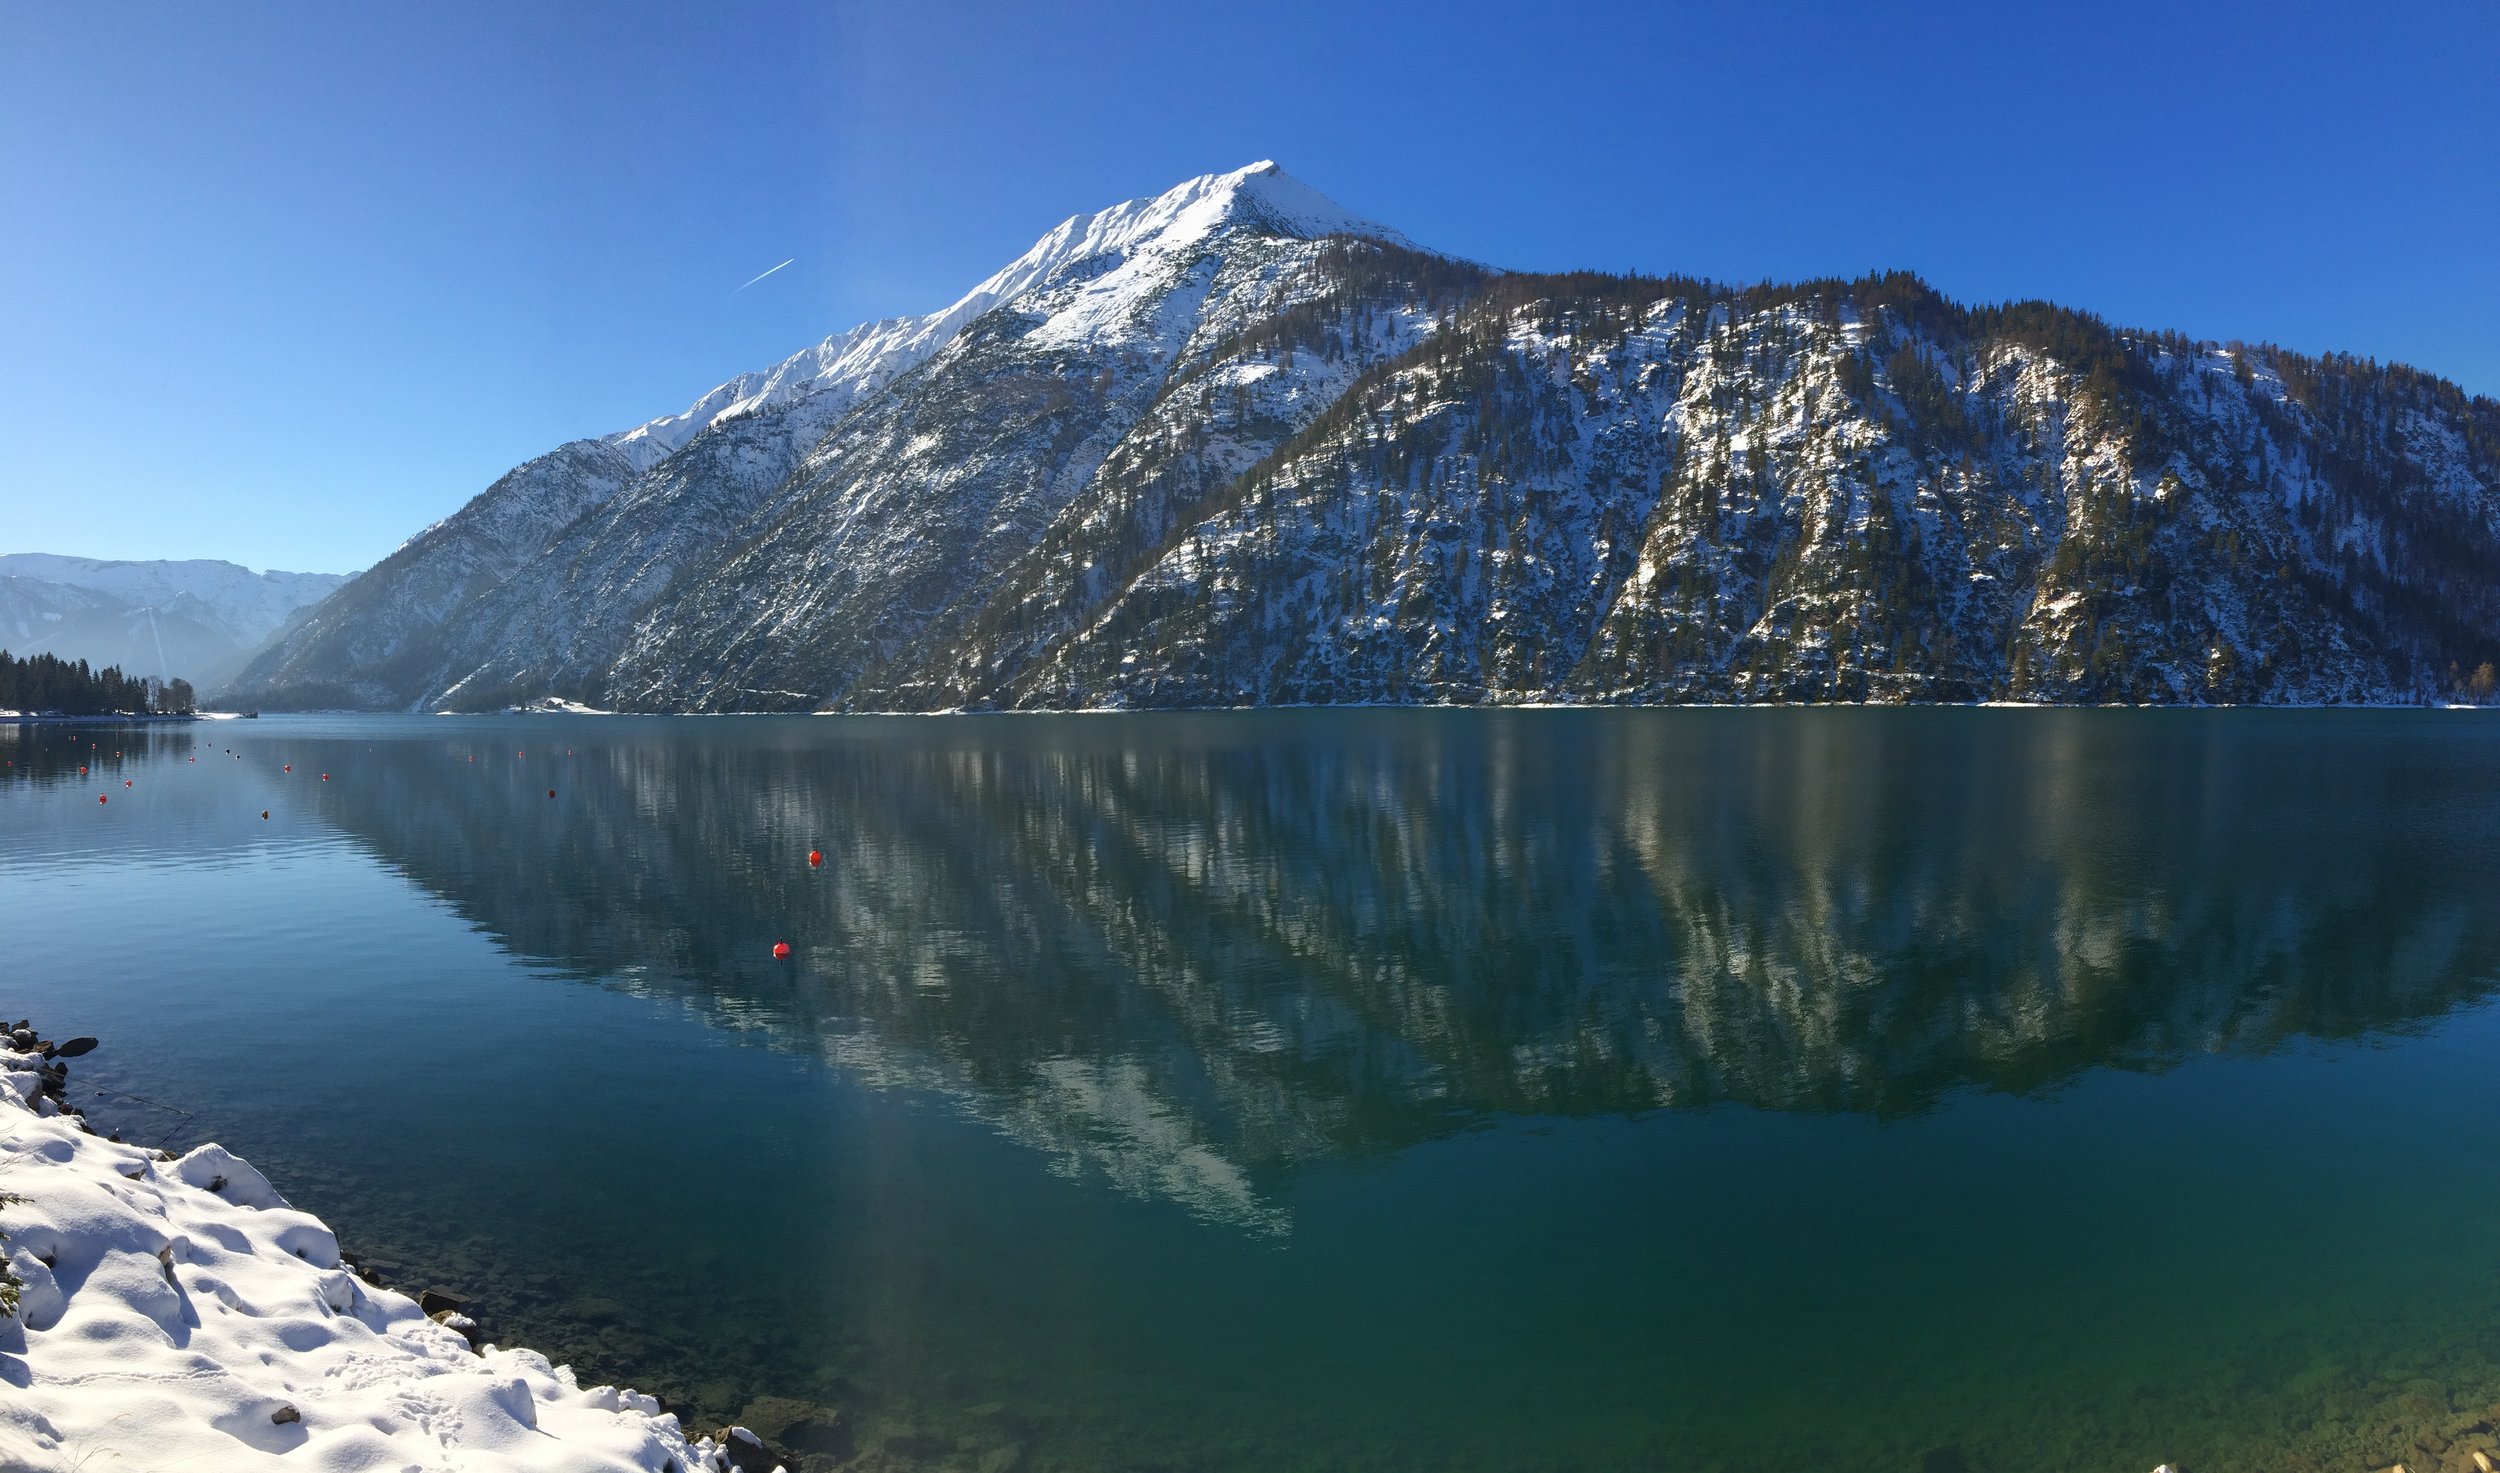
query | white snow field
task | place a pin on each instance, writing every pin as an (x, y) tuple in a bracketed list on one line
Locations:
[(178, 1314)]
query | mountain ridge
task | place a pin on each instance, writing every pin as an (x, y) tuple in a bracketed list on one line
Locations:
[(1236, 445)]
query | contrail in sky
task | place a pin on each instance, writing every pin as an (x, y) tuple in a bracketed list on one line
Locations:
[(759, 276)]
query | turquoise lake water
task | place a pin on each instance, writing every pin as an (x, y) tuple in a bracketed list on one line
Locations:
[(1923, 1090)]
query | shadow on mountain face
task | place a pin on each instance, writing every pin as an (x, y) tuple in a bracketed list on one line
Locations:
[(1188, 952)]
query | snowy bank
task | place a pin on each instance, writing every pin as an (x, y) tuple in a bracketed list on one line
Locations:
[(176, 1312)]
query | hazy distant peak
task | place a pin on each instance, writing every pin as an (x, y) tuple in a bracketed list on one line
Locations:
[(195, 617), (212, 579)]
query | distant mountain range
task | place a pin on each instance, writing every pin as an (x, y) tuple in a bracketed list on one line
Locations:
[(196, 620), (1233, 445)]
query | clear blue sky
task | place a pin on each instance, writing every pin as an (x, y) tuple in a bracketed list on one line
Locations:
[(283, 283)]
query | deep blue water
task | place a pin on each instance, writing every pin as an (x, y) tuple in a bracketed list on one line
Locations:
[(1401, 1090)]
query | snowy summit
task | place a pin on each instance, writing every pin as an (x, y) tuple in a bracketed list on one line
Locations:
[(1138, 233)]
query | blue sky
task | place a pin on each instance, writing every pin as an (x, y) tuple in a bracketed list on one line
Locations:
[(283, 283)]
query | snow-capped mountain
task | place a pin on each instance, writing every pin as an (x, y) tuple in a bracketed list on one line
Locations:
[(1235, 445), (195, 619)]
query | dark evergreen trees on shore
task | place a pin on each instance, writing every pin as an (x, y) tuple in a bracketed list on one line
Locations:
[(50, 684)]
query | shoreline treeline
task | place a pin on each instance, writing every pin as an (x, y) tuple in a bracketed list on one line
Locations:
[(48, 683)]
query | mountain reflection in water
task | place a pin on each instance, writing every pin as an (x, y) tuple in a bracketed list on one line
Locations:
[(1183, 954)]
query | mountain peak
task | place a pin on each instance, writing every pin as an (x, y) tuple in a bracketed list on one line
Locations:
[(1266, 193), (1259, 196)]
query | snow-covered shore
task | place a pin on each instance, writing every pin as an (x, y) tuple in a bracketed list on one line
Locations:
[(177, 1313)]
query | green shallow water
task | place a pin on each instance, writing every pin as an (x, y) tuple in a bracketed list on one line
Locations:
[(1398, 1090)]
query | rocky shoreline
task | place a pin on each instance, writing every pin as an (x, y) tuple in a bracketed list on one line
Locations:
[(176, 1310)]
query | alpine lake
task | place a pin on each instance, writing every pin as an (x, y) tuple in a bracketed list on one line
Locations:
[(1946, 1091)]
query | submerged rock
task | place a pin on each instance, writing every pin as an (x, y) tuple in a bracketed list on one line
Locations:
[(802, 1427), (592, 1309), (914, 1445)]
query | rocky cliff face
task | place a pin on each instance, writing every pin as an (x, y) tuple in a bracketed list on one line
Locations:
[(1235, 446)]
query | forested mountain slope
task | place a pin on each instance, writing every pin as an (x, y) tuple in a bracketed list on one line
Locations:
[(1235, 446)]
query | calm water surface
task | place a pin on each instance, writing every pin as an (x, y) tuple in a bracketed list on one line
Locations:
[(1984, 1090)]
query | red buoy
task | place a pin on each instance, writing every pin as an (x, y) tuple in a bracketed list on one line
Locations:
[(781, 951), (286, 767), (99, 797), (125, 782), (815, 857), (325, 777), (82, 772), (551, 792)]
